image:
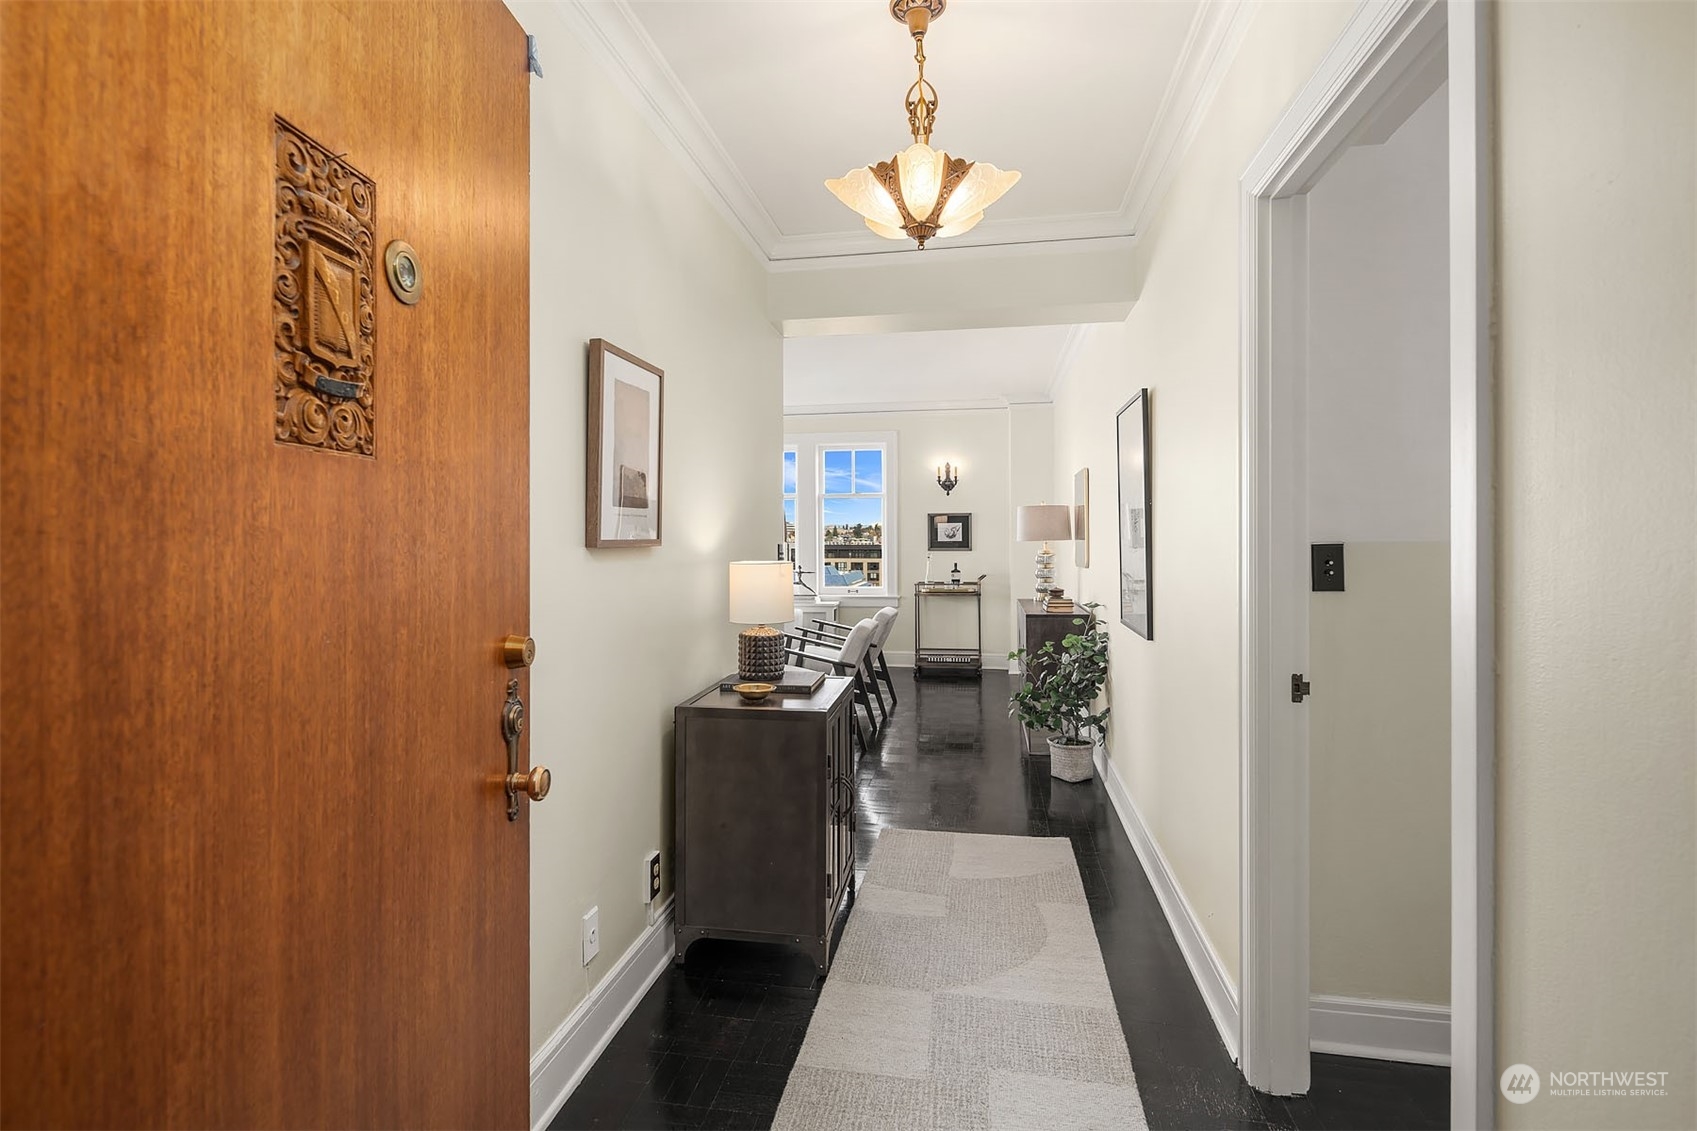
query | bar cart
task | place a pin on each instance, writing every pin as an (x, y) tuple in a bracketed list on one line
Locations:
[(929, 660)]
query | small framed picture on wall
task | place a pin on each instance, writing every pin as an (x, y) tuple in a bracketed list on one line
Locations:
[(1137, 555), (1081, 517), (948, 532), (624, 447)]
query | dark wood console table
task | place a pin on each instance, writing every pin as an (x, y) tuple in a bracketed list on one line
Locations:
[(765, 817), (1037, 627)]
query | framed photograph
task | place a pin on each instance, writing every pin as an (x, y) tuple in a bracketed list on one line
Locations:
[(624, 473), (1137, 559), (948, 532), (1081, 517)]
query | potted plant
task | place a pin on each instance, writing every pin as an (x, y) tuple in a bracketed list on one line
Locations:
[(1060, 693)]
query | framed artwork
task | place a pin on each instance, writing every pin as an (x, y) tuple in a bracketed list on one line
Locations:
[(624, 474), (948, 532), (1081, 517), (1137, 604)]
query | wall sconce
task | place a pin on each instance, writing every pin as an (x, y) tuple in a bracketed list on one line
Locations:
[(948, 478)]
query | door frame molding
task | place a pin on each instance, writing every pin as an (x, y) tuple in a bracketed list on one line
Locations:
[(1383, 47)]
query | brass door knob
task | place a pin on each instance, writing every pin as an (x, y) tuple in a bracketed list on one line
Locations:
[(533, 784), (518, 651)]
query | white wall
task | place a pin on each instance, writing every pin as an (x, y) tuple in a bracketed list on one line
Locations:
[(1175, 699), (1597, 604), (978, 441), (625, 247), (1379, 784), (1031, 479), (1378, 481), (1378, 347), (955, 289)]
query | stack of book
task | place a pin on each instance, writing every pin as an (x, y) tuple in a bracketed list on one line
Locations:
[(1058, 602)]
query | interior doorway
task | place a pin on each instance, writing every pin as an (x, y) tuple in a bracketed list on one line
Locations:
[(1378, 494), (1385, 56)]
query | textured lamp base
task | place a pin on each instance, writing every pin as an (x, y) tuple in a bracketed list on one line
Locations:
[(1045, 571), (760, 655)]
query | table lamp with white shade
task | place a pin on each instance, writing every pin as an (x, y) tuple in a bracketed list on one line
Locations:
[(1044, 522), (761, 595)]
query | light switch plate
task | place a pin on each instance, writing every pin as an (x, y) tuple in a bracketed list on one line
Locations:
[(1327, 567), (591, 935)]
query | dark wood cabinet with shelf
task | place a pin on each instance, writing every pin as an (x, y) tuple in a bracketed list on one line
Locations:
[(765, 817), (1037, 627)]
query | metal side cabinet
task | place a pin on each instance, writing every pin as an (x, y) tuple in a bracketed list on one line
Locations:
[(765, 818)]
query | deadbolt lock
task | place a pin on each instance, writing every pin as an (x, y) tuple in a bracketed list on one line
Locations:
[(518, 651)]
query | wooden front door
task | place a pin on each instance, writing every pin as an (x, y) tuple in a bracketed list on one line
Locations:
[(264, 528)]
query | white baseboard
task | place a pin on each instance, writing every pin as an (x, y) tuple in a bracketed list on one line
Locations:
[(570, 1051), (905, 660), (1381, 1030), (1219, 992)]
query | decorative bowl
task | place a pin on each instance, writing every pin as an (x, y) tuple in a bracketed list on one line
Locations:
[(754, 692)]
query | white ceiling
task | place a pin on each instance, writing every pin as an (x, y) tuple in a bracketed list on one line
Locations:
[(1090, 99), (932, 369)]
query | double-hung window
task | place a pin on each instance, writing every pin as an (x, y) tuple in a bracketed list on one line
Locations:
[(840, 511)]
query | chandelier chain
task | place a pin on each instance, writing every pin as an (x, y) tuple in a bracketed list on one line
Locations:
[(921, 110)]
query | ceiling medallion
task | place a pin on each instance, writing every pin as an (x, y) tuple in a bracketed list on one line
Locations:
[(921, 193)]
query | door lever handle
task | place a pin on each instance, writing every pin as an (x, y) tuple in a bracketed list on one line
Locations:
[(534, 783)]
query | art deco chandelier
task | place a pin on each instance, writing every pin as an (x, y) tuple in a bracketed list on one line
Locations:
[(921, 193)]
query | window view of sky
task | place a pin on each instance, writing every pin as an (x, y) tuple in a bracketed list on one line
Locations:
[(847, 512), (851, 514), (854, 472)]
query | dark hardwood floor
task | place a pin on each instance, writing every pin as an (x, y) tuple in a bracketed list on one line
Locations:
[(712, 1042)]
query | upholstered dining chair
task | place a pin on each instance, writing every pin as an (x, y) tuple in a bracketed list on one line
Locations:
[(885, 619), (831, 635), (844, 658)]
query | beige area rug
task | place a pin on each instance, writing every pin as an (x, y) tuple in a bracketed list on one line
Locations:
[(968, 993)]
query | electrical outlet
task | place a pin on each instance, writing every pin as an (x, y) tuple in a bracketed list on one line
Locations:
[(591, 935), (651, 876)]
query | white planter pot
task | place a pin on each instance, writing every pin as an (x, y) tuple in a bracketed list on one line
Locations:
[(1069, 762)]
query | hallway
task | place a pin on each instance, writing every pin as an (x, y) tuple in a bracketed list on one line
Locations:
[(712, 1042), (365, 741)]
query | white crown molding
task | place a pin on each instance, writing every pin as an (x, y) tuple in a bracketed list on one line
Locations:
[(890, 252), (1066, 359), (616, 38), (1209, 48), (989, 233)]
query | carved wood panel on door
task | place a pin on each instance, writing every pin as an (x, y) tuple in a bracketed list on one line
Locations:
[(258, 870)]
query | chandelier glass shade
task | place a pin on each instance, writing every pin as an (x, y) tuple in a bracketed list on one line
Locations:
[(921, 193)]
